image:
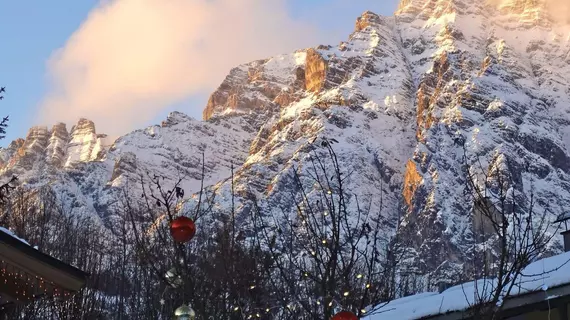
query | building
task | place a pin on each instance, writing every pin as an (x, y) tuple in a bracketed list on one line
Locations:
[(541, 292), (27, 274)]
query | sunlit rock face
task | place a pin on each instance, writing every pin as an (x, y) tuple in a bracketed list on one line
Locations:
[(407, 97), (84, 143), (57, 147)]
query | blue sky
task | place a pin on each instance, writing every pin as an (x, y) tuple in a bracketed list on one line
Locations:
[(33, 30)]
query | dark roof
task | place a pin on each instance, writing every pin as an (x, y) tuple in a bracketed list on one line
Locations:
[(38, 255), (562, 217)]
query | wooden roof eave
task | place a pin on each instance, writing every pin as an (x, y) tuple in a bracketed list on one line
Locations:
[(34, 262)]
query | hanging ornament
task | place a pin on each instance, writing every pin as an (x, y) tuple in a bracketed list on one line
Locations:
[(182, 229), (174, 279), (345, 315), (184, 312)]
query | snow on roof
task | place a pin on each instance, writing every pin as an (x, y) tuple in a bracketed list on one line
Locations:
[(544, 274), (431, 303), (10, 233), (540, 275)]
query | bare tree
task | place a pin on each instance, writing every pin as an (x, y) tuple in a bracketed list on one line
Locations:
[(213, 272), (333, 254), (6, 187), (510, 233), (40, 218)]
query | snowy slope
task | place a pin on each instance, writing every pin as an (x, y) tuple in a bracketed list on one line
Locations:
[(88, 175)]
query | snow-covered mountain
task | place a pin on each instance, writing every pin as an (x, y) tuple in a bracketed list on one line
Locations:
[(398, 95)]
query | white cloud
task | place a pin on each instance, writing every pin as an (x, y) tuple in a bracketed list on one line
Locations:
[(131, 58)]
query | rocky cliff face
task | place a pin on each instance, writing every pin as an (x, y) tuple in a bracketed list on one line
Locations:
[(404, 95), (55, 147), (483, 79), (259, 86)]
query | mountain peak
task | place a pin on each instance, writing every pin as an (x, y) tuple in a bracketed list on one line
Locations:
[(174, 118), (83, 126), (509, 13), (409, 10), (57, 147), (84, 143), (368, 18), (260, 86), (269, 85)]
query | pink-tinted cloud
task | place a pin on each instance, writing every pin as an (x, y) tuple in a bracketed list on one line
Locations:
[(560, 10), (131, 58)]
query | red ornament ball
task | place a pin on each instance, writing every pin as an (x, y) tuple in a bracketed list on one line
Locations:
[(182, 229), (345, 315)]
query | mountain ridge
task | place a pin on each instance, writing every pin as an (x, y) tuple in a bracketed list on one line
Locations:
[(398, 95)]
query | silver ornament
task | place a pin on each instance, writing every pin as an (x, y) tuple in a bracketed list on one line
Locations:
[(184, 312)]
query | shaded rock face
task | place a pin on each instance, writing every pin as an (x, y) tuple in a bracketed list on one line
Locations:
[(409, 98), (126, 163)]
